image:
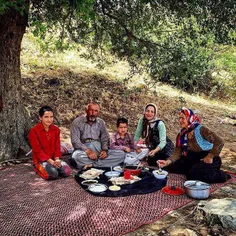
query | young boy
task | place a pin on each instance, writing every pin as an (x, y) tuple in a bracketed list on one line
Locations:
[(44, 139), (123, 140)]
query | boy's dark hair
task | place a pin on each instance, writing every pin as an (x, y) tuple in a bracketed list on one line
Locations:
[(121, 120), (43, 109)]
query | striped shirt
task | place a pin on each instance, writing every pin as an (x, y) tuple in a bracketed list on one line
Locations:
[(81, 131)]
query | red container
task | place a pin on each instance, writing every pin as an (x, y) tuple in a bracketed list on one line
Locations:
[(127, 174), (133, 170)]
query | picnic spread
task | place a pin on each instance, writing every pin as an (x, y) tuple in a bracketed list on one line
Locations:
[(118, 186)]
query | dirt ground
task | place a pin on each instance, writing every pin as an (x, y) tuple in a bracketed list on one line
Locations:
[(68, 93)]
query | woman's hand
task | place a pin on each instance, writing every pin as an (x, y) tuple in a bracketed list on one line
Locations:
[(163, 163), (153, 152), (57, 163), (207, 160)]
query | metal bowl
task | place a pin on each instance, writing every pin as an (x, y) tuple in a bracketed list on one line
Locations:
[(197, 189)]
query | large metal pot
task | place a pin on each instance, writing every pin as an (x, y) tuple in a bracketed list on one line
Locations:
[(197, 189)]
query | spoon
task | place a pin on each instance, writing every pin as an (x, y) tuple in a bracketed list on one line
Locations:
[(138, 165), (160, 170)]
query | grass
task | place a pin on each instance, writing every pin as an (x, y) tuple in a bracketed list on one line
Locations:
[(32, 59)]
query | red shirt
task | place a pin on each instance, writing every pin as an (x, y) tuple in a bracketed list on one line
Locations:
[(44, 144)]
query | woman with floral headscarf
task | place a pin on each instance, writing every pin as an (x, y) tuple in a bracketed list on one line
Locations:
[(197, 151), (151, 133)]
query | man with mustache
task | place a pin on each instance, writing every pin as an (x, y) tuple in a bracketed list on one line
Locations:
[(90, 140)]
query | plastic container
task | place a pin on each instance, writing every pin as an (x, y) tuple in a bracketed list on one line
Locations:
[(133, 170)]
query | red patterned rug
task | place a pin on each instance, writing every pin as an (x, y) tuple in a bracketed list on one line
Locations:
[(31, 206)]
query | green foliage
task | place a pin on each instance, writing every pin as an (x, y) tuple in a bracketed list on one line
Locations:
[(171, 40), (19, 5), (171, 49)]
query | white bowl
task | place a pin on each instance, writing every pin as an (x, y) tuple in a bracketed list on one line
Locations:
[(118, 169), (111, 174), (160, 174)]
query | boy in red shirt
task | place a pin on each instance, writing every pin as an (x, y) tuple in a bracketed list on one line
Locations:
[(45, 142)]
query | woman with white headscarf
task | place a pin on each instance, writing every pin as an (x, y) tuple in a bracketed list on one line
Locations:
[(151, 132)]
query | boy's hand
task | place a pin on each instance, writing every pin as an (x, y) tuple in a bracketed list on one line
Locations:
[(138, 150)]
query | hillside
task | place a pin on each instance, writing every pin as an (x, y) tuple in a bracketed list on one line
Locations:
[(67, 82)]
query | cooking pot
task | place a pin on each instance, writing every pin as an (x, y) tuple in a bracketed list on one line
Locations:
[(133, 170), (197, 189)]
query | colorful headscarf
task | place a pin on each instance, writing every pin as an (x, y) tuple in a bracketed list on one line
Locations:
[(182, 138)]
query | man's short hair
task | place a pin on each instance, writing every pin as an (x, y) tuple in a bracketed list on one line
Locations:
[(44, 109), (121, 120), (92, 103)]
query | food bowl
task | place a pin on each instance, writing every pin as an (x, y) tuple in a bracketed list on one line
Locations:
[(89, 182), (118, 168), (160, 174), (111, 174), (197, 189), (97, 188), (133, 170)]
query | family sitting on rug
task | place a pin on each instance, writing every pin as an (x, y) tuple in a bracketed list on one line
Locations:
[(196, 153), (90, 140)]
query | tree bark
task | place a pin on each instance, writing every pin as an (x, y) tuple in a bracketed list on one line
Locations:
[(14, 124)]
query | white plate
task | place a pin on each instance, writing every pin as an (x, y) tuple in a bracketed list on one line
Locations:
[(97, 188), (91, 174)]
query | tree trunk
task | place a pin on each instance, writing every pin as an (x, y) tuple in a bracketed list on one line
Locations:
[(14, 123)]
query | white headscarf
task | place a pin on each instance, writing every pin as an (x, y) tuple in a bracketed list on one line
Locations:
[(151, 122)]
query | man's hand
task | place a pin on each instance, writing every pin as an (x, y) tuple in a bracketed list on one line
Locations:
[(207, 160), (91, 154), (103, 154)]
